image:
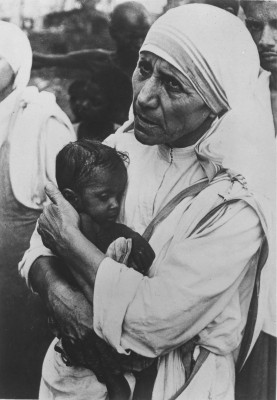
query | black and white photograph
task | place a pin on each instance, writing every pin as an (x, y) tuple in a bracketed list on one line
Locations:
[(138, 199)]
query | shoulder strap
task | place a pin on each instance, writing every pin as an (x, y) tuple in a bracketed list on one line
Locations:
[(198, 364), (253, 308), (192, 190)]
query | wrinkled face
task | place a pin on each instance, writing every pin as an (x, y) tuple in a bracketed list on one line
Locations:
[(89, 103), (6, 78), (101, 200), (167, 109), (261, 20)]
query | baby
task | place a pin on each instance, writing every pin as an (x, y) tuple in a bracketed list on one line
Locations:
[(93, 178)]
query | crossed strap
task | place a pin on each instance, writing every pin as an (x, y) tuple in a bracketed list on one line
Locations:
[(194, 190)]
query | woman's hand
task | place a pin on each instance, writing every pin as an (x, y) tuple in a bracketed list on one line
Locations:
[(68, 308), (57, 221)]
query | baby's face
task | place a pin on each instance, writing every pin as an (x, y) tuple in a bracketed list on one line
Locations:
[(101, 199)]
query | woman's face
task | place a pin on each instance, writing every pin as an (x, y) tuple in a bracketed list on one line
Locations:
[(167, 109), (6, 78)]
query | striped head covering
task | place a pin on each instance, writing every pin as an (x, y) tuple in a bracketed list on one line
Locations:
[(215, 52)]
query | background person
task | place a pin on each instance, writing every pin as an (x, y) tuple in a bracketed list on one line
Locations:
[(32, 131), (129, 24), (231, 6), (258, 377), (90, 102), (195, 113), (261, 20)]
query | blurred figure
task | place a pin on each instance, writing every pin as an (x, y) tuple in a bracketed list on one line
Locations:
[(129, 25), (261, 20), (257, 380), (91, 105), (33, 130), (229, 5)]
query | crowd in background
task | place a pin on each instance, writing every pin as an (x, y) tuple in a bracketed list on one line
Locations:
[(90, 75)]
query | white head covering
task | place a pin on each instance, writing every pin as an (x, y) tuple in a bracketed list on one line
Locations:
[(15, 48), (214, 50)]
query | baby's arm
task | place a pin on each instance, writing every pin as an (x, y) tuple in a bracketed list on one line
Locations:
[(141, 255)]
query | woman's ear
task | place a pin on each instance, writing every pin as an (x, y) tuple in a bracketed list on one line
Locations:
[(73, 198)]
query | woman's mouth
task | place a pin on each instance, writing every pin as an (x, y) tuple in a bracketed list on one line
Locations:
[(144, 121)]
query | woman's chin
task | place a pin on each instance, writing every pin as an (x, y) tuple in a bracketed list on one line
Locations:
[(148, 135), (143, 138)]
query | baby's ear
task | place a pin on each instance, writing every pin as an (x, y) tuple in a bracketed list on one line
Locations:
[(73, 198)]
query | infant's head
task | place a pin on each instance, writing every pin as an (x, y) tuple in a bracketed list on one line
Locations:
[(92, 177)]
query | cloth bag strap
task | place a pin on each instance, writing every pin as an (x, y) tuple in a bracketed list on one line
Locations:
[(192, 190), (263, 255), (253, 308)]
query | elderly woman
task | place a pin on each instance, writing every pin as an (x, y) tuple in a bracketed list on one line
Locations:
[(32, 131), (197, 191)]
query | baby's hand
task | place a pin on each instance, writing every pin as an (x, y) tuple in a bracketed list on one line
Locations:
[(142, 254), (120, 249)]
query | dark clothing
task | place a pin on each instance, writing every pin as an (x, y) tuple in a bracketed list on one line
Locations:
[(257, 380), (24, 334), (87, 130)]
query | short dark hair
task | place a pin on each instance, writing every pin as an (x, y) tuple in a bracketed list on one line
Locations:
[(81, 85), (77, 162), (234, 4)]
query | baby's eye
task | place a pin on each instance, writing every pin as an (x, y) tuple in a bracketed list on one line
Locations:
[(103, 196), (144, 68)]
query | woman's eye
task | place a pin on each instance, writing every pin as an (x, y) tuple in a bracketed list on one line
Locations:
[(172, 84), (274, 24), (144, 68)]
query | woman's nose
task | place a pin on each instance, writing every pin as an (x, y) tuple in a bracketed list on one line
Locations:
[(267, 38), (147, 97)]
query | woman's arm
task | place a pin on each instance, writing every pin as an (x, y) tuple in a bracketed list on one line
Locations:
[(60, 299), (195, 282)]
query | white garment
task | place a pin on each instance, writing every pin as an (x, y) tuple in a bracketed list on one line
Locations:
[(15, 48), (132, 311), (218, 288), (199, 283), (33, 124), (38, 131)]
